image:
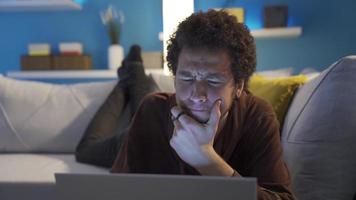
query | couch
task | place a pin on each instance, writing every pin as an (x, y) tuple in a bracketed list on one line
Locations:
[(41, 124)]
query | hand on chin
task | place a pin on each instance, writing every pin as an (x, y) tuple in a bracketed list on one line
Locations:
[(194, 133)]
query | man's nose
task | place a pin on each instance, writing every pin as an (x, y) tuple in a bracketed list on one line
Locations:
[(199, 92)]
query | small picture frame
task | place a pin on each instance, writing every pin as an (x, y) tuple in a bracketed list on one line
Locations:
[(275, 16)]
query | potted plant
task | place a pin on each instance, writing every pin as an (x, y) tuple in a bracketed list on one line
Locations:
[(113, 21)]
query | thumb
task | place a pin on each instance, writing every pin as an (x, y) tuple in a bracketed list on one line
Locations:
[(215, 114)]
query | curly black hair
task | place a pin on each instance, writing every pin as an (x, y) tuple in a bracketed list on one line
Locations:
[(215, 30)]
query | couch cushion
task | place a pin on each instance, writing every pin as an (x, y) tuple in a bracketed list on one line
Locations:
[(278, 91), (319, 136), (40, 168), (43, 117)]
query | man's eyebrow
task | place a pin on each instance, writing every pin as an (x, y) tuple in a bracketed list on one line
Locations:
[(184, 73), (216, 75), (208, 75)]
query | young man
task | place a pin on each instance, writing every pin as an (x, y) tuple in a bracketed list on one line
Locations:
[(212, 125)]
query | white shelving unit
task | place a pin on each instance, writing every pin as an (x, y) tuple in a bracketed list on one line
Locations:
[(38, 5), (288, 32), (69, 74), (62, 74)]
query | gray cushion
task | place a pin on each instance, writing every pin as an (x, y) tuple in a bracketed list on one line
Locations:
[(319, 135), (44, 117)]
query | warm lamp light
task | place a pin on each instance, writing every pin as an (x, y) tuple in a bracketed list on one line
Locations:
[(173, 13)]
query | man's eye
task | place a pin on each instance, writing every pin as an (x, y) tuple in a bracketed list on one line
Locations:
[(186, 79), (214, 82)]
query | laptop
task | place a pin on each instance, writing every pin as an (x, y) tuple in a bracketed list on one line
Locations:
[(154, 187)]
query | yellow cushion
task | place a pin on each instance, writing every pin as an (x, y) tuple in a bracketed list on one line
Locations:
[(277, 91)]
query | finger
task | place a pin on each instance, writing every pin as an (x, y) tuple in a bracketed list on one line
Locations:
[(174, 132), (177, 125), (215, 114), (178, 128), (173, 142), (180, 116), (178, 132), (185, 125), (175, 112), (185, 121), (189, 123), (181, 134)]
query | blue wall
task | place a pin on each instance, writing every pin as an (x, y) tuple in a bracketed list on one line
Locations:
[(329, 31), (143, 22)]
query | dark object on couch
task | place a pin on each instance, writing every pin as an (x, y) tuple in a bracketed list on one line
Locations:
[(102, 139)]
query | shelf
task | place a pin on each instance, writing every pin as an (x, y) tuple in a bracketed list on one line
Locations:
[(69, 74), (38, 5), (289, 32)]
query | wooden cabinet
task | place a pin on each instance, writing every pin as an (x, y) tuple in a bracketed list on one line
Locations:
[(57, 62)]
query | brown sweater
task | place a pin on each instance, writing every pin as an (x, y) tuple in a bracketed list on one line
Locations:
[(249, 142)]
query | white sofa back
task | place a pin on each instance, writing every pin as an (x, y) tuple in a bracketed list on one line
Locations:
[(44, 117)]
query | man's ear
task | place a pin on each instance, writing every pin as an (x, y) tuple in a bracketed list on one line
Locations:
[(239, 88)]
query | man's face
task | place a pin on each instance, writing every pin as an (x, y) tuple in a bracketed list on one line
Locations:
[(202, 77)]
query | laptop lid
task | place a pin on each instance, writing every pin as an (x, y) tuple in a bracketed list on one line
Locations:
[(153, 186)]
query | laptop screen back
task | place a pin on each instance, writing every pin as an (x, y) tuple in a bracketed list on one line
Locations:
[(155, 187)]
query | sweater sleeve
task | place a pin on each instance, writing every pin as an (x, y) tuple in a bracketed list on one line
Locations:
[(146, 141), (265, 155)]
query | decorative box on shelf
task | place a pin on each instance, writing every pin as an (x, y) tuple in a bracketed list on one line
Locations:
[(56, 62), (71, 62), (71, 74), (36, 62)]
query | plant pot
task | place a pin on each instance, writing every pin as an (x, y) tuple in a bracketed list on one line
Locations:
[(115, 56)]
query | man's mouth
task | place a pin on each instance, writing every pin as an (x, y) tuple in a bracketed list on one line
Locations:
[(198, 110), (195, 112)]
